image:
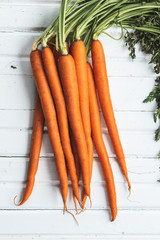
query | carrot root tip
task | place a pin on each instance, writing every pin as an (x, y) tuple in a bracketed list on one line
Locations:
[(81, 204), (14, 201), (129, 185), (82, 210), (129, 194), (75, 203), (64, 210), (113, 219), (90, 202), (72, 216), (129, 188)]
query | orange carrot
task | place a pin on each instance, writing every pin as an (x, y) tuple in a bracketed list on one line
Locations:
[(102, 85), (78, 52), (68, 76), (37, 134), (57, 93), (77, 164), (99, 143), (51, 120), (74, 150)]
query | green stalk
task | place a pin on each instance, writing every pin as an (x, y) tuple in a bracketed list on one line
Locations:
[(89, 18), (143, 28), (90, 36), (126, 12), (97, 10), (70, 9), (79, 10), (62, 28), (71, 26), (38, 40)]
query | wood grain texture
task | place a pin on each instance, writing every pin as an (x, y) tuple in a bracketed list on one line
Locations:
[(21, 21)]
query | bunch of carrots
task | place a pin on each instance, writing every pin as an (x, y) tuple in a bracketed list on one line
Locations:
[(68, 89)]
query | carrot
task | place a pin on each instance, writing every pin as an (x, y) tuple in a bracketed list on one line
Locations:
[(37, 134), (102, 85), (77, 164), (99, 143), (68, 76), (74, 150), (57, 93), (78, 52), (51, 120)]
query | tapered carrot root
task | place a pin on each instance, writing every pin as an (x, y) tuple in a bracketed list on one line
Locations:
[(99, 143), (77, 164), (57, 93), (68, 76), (37, 134), (75, 154), (102, 85), (51, 120), (78, 52)]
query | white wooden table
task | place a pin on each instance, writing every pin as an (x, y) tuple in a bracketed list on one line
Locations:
[(21, 21)]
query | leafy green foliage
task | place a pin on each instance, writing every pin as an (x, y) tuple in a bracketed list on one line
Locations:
[(155, 95), (149, 44), (157, 134)]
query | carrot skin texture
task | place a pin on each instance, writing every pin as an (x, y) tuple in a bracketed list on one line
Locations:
[(99, 143), (102, 85), (77, 163), (78, 52), (51, 120), (36, 142), (74, 150), (68, 76), (57, 93)]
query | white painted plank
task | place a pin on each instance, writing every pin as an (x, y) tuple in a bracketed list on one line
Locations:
[(54, 222), (19, 141), (135, 143), (80, 237), (22, 42), (127, 93), (21, 17), (139, 121), (140, 170), (20, 92), (48, 196), (21, 66), (118, 48), (29, 2), (16, 118), (23, 119)]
